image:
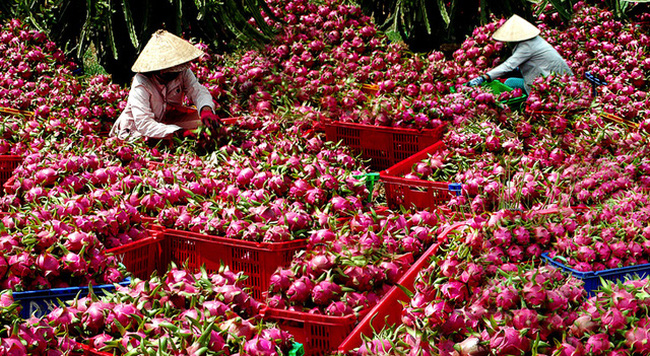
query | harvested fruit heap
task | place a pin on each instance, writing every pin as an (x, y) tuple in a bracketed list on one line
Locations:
[(557, 177), (348, 270), (177, 313)]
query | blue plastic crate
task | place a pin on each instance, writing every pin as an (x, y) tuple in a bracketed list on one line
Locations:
[(42, 302), (592, 280), (457, 188)]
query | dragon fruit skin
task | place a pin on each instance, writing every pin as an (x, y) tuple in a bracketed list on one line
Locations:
[(637, 339), (338, 308), (598, 344), (454, 291), (508, 341), (260, 347), (613, 320), (300, 290), (471, 347), (525, 318), (324, 292), (375, 347), (534, 294)]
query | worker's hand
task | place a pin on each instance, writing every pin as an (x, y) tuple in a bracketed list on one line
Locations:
[(476, 81), (211, 121), (208, 117), (182, 134), (191, 133)]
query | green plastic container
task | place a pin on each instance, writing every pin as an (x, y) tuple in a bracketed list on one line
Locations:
[(370, 179), (297, 350), (516, 103), (497, 88)]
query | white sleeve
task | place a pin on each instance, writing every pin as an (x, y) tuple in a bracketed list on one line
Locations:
[(144, 117), (521, 54), (199, 94)]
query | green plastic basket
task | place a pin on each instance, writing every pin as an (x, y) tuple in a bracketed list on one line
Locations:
[(297, 350), (497, 88), (370, 179), (516, 103)]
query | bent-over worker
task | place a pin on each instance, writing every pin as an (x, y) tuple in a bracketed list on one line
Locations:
[(163, 78), (531, 54)]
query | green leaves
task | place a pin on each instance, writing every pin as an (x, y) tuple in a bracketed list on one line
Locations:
[(563, 7), (427, 24), (118, 29), (128, 18), (443, 12)]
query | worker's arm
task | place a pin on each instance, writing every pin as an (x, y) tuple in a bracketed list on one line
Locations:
[(521, 54), (199, 94), (144, 117)]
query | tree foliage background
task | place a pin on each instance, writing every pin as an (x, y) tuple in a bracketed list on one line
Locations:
[(119, 29), (428, 24)]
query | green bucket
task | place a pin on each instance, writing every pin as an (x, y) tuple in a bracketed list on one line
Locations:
[(297, 350), (370, 179), (497, 88)]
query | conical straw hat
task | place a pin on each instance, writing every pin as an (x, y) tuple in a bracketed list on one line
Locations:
[(515, 29), (165, 50)]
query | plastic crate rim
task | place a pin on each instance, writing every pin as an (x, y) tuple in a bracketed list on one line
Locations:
[(264, 246), (409, 161), (65, 290), (283, 314), (627, 270), (556, 263), (391, 129)]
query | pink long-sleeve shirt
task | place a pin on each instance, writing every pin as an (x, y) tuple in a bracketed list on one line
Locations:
[(148, 102)]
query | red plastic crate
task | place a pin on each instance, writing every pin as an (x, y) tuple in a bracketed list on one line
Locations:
[(7, 165), (389, 309), (618, 120), (370, 89), (421, 194), (12, 111), (257, 260), (85, 350), (8, 186), (320, 334), (141, 257), (383, 146)]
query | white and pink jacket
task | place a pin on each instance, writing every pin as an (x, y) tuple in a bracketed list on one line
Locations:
[(149, 100)]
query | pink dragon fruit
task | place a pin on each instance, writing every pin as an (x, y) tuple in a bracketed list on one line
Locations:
[(598, 344), (300, 290), (324, 292), (509, 341), (637, 339)]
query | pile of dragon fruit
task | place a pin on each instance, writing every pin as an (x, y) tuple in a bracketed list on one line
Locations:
[(349, 269), (196, 313), (564, 178)]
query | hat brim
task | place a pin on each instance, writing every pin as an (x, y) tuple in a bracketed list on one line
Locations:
[(163, 51), (516, 29)]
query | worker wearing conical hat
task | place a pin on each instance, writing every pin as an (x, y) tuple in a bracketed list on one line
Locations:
[(531, 54), (163, 79)]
